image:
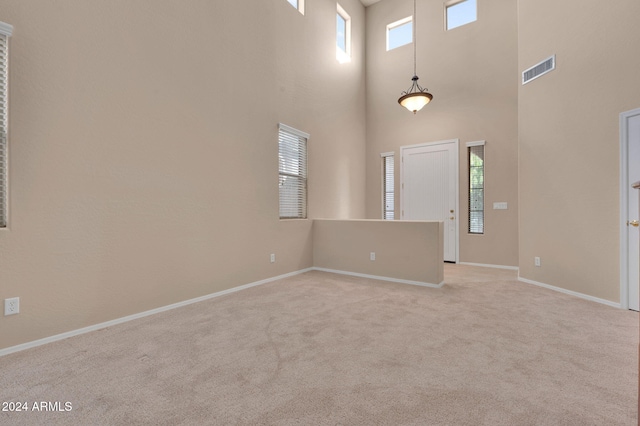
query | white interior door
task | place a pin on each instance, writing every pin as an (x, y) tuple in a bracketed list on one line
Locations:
[(429, 188), (630, 251)]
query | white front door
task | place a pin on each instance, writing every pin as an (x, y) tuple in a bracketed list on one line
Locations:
[(429, 188), (630, 238)]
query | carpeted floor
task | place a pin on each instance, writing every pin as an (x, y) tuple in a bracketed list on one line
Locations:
[(325, 349)]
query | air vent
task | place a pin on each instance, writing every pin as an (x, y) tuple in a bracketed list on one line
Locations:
[(539, 69)]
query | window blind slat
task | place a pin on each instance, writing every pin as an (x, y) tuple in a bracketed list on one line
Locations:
[(4, 72), (292, 158), (476, 189), (388, 199)]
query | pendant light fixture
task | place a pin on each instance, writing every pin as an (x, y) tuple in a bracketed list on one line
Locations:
[(415, 97)]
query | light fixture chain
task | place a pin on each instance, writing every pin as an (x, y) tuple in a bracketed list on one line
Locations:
[(415, 19), (415, 97)]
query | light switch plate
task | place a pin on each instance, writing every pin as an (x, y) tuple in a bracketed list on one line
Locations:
[(500, 206)]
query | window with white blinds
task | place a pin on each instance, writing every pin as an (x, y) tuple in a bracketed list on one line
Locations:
[(5, 32), (388, 198), (475, 152), (292, 159)]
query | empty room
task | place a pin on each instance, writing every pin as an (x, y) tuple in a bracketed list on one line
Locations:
[(319, 212)]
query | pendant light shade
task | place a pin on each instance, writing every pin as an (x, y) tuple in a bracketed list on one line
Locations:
[(415, 97)]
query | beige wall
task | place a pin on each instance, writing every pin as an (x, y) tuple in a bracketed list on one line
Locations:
[(140, 175), (472, 73), (569, 139), (406, 250), (143, 150)]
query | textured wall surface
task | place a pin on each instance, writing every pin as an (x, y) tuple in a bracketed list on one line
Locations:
[(569, 139), (472, 73), (143, 141), (408, 250), (144, 150)]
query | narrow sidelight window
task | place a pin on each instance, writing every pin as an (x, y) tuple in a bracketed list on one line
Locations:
[(292, 159), (475, 151), (388, 199), (5, 33)]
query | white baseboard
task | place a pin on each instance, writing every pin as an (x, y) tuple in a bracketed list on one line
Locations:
[(570, 292), (484, 265), (377, 277), (117, 321)]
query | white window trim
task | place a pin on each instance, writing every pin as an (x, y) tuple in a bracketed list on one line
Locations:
[(6, 31), (294, 131), (306, 136), (484, 187), (300, 6), (384, 155), (450, 3), (341, 55), (396, 24)]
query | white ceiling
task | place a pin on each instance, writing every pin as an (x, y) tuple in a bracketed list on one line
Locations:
[(368, 2)]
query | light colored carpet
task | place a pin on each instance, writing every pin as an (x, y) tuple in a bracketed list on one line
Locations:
[(325, 349)]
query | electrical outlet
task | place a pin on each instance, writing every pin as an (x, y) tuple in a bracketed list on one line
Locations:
[(273, 258), (372, 255), (536, 261), (11, 306)]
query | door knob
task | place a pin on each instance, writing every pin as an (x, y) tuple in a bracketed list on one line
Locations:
[(634, 223), (454, 218)]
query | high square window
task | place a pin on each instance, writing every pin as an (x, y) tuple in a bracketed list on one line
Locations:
[(460, 12), (298, 4), (400, 33)]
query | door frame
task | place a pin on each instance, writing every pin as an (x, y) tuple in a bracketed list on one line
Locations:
[(456, 145), (624, 205)]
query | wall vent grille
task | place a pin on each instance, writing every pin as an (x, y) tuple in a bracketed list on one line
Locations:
[(539, 69)]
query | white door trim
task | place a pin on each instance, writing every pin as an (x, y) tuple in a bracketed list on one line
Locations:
[(624, 205), (456, 144)]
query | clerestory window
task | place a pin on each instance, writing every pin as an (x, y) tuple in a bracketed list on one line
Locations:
[(298, 4), (460, 12), (343, 35), (400, 33)]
